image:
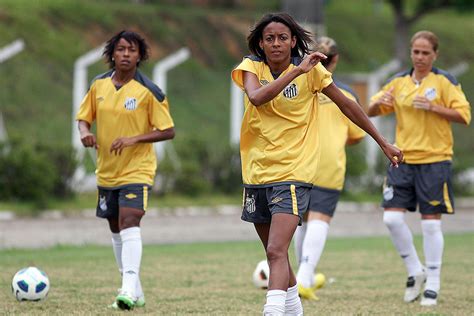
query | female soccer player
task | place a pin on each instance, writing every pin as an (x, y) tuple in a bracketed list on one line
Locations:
[(335, 132), (425, 101), (131, 113), (279, 141)]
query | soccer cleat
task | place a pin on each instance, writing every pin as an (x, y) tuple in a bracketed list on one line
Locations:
[(140, 302), (307, 293), (429, 298), (414, 284), (125, 301)]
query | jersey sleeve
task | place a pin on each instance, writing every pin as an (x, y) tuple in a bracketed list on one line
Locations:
[(238, 72), (87, 110), (319, 78), (453, 97), (159, 114), (384, 109)]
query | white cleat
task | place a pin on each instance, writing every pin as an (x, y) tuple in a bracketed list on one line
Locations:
[(429, 298), (414, 285)]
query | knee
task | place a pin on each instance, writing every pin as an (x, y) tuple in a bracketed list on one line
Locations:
[(129, 221), (431, 227), (275, 253), (393, 219)]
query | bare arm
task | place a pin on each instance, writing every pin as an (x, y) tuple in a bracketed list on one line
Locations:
[(154, 136), (422, 103), (353, 141), (87, 137), (259, 94), (355, 113)]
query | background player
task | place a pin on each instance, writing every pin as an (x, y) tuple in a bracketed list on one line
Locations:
[(335, 132), (130, 114), (425, 101)]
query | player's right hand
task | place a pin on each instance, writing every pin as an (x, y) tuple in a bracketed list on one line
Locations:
[(89, 140), (311, 60), (387, 98)]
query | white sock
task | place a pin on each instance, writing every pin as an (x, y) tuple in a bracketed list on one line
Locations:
[(131, 258), (293, 302), (433, 244), (275, 305), (117, 247), (313, 245), (298, 240), (402, 238)]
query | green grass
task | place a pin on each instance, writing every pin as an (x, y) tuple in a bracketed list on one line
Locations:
[(215, 279)]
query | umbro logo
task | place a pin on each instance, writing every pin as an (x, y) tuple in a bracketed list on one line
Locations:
[(277, 199), (435, 203), (263, 82), (131, 196)]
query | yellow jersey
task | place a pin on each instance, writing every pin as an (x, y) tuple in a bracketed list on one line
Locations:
[(279, 140), (335, 129), (137, 108), (424, 136)]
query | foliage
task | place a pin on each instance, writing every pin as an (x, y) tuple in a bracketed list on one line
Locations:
[(204, 168), (35, 172)]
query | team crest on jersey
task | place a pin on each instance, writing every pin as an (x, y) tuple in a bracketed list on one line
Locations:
[(250, 203), (263, 82), (131, 104), (290, 91), (430, 94)]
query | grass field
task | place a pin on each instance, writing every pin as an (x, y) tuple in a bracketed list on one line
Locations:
[(215, 279)]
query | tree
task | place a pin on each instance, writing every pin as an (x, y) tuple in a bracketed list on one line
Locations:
[(308, 12), (406, 17)]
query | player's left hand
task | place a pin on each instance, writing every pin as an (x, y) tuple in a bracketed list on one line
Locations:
[(119, 144), (394, 154), (422, 103)]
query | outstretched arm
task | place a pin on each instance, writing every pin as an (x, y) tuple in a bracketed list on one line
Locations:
[(259, 94), (355, 113)]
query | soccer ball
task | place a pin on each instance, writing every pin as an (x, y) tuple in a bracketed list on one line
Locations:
[(261, 275), (30, 284)]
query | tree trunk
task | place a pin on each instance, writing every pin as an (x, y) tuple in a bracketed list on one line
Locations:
[(309, 13), (402, 45)]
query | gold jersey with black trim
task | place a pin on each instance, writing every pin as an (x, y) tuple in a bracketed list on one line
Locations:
[(136, 108), (335, 129), (424, 136), (279, 140)]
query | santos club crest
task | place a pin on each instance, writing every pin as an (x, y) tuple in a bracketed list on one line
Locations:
[(131, 104), (290, 91)]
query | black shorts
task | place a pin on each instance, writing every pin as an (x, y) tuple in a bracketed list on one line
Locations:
[(260, 203), (324, 200), (111, 199), (427, 186)]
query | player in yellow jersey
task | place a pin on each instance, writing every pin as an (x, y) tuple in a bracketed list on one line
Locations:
[(131, 113), (425, 101), (279, 141), (335, 132)]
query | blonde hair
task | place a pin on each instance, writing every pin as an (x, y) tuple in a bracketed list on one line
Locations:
[(427, 35), (328, 47)]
